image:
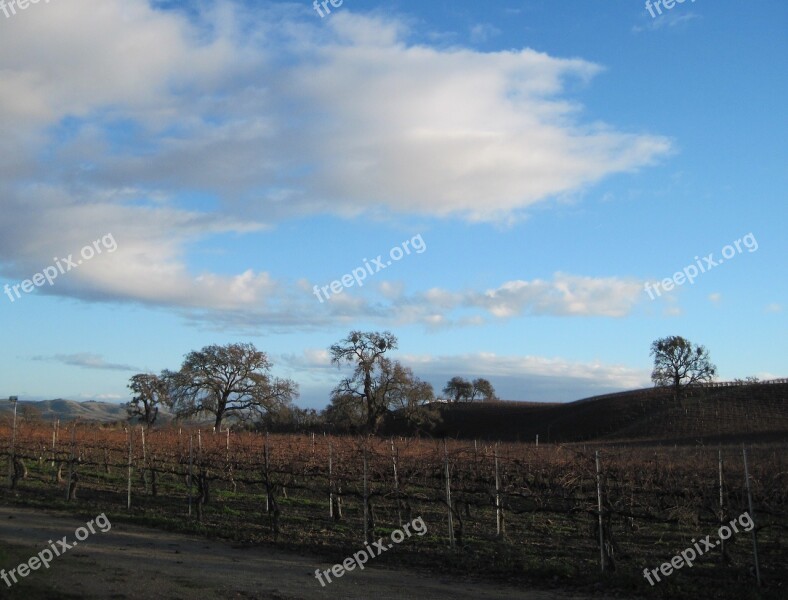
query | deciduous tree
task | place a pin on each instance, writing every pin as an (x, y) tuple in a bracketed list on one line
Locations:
[(483, 390), (150, 392), (365, 350), (459, 389), (228, 380), (679, 363), (395, 391)]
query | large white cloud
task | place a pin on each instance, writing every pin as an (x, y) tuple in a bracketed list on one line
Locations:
[(116, 113), (345, 116)]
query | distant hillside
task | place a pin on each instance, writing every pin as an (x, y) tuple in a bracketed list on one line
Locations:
[(715, 413), (718, 412), (67, 410)]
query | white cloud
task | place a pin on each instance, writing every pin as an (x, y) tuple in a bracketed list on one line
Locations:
[(482, 32), (344, 118), (514, 377), (531, 377), (274, 117), (565, 295), (87, 361)]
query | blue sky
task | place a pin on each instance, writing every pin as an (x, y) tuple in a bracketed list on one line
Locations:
[(553, 158)]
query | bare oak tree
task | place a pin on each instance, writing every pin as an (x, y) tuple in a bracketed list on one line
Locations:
[(381, 386), (406, 395), (483, 390), (228, 380), (365, 350), (395, 391), (150, 392), (459, 389), (679, 363)]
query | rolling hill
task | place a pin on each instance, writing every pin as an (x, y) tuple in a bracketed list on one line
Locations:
[(722, 412), (67, 410)]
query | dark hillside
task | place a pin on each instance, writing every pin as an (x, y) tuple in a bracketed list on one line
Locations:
[(713, 413)]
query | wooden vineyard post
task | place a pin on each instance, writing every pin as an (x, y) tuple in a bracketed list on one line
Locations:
[(338, 496), (128, 484), (267, 484), (599, 506), (366, 506), (191, 473), (722, 507), (498, 511), (144, 461), (330, 482), (97, 445), (271, 505), (54, 440), (227, 459), (69, 481), (752, 518), (448, 494), (396, 482)]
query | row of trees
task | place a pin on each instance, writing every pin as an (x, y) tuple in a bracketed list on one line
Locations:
[(462, 390), (235, 380), (218, 380)]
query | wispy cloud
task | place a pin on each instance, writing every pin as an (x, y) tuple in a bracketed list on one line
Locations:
[(531, 377), (668, 20), (482, 32), (491, 364), (515, 377), (86, 361)]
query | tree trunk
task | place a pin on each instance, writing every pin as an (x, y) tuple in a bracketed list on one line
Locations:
[(371, 417)]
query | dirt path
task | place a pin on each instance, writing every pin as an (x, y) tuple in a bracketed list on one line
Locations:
[(133, 562)]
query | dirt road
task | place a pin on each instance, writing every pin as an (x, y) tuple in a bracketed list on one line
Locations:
[(132, 562)]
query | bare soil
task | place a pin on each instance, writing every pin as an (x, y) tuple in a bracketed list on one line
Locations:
[(133, 562)]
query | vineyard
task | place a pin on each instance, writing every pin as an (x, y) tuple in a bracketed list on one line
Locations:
[(568, 515)]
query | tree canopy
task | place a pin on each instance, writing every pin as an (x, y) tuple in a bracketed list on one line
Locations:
[(365, 350), (228, 380), (679, 363), (150, 392), (459, 389), (378, 386)]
